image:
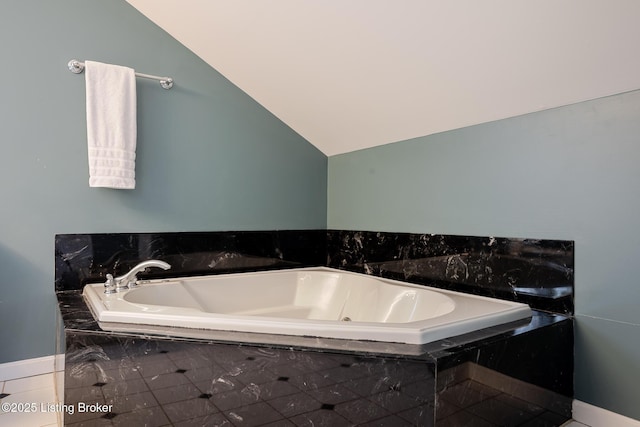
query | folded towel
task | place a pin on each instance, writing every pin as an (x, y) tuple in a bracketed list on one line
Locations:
[(111, 125)]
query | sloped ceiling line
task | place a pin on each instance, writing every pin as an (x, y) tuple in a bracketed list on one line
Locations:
[(357, 74)]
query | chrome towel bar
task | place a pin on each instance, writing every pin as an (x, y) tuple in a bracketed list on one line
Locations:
[(77, 67)]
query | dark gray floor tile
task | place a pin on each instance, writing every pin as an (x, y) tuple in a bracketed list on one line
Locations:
[(321, 418), (148, 417), (125, 387), (177, 393), (468, 393), (188, 409), (166, 380), (213, 420), (333, 394), (253, 415), (500, 413), (361, 411), (464, 419), (131, 402), (295, 404)]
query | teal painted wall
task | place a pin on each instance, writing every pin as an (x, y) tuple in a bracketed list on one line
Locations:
[(209, 157), (566, 173)]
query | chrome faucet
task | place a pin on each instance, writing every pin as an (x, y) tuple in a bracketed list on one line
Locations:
[(128, 280)]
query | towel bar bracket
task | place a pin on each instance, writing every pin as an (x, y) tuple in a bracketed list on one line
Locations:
[(77, 67)]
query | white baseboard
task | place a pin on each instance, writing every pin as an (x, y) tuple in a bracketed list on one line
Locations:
[(31, 367), (594, 416)]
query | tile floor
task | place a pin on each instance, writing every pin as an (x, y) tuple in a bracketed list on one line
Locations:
[(38, 390)]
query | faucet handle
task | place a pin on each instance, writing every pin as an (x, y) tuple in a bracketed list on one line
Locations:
[(133, 282), (110, 285), (128, 280)]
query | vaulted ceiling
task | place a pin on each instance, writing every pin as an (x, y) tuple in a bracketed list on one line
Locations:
[(353, 74)]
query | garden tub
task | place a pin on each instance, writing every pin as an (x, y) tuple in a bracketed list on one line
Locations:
[(305, 302)]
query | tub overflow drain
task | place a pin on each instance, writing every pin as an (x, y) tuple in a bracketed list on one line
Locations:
[(346, 319)]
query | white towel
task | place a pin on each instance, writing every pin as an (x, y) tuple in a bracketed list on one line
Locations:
[(111, 125)]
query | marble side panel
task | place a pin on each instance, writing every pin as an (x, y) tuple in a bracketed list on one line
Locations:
[(537, 272), (524, 380), (166, 382), (523, 365), (82, 258)]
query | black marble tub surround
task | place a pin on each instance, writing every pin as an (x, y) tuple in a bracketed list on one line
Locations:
[(517, 374), (533, 271), (87, 258), (178, 383)]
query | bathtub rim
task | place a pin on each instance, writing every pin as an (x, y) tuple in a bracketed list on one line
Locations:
[(393, 333), (357, 346)]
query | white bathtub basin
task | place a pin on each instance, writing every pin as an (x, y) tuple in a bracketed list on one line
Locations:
[(317, 302)]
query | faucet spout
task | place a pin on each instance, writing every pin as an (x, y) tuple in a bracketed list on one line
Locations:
[(128, 280)]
